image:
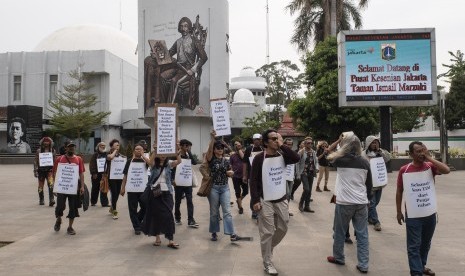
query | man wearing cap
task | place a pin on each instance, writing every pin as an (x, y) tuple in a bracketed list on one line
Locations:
[(69, 158), (43, 167), (97, 169), (250, 153), (181, 190)]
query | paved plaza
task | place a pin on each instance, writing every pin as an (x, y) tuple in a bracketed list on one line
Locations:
[(103, 246)]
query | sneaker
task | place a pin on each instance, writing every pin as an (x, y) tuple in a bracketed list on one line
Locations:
[(254, 215), (333, 260), (428, 271), (318, 189), (235, 237), (348, 240), (378, 226), (70, 231), (57, 225), (193, 224), (270, 269), (362, 270), (137, 232), (115, 215), (214, 237), (178, 222), (308, 210)]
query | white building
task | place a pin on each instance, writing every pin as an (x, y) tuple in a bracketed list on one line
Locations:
[(109, 55)]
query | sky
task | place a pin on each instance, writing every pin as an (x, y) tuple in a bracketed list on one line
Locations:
[(24, 23)]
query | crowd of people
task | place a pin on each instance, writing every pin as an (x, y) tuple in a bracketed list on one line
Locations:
[(270, 171)]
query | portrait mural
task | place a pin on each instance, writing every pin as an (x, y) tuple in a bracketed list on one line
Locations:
[(24, 128), (174, 75)]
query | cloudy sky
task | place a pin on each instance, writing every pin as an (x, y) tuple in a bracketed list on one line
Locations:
[(26, 22)]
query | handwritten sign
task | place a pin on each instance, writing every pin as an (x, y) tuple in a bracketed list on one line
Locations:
[(45, 159), (166, 118), (220, 115), (420, 194), (183, 176), (117, 167), (274, 183), (137, 177), (101, 164), (378, 172), (289, 172), (67, 177)]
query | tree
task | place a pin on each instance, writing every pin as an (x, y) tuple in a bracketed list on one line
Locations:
[(258, 124), (72, 111), (282, 81), (406, 119), (313, 22), (319, 113)]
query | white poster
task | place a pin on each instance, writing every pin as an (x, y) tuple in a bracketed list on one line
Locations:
[(252, 156), (378, 172), (66, 179), (183, 176), (166, 130), (101, 164), (45, 159), (137, 177), (274, 182), (289, 173), (117, 167), (419, 194), (220, 115)]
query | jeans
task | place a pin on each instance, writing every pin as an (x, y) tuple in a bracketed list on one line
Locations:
[(136, 217), (372, 213), (419, 235), (178, 193), (220, 195), (94, 194), (359, 215), (307, 184), (115, 189)]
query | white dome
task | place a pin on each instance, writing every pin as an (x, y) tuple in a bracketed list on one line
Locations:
[(91, 37), (243, 96), (247, 72)]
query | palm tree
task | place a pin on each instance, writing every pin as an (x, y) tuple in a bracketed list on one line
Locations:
[(313, 22)]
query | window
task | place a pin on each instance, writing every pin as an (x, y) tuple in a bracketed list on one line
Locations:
[(17, 88), (53, 86)]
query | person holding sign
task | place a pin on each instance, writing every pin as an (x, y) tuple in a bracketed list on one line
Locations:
[(377, 156), (268, 193), (114, 169), (220, 194), (352, 191), (250, 153), (158, 217), (134, 182), (183, 177), (43, 167), (68, 185), (416, 182), (97, 168)]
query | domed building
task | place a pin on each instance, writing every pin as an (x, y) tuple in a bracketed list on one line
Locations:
[(109, 56)]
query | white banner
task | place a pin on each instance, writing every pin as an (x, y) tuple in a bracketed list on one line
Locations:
[(420, 194), (274, 182), (137, 177), (220, 115), (183, 176), (101, 164), (378, 172), (66, 179), (45, 159), (117, 167), (166, 130), (289, 173)]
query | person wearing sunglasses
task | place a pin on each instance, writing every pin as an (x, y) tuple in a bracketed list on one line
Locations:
[(307, 169)]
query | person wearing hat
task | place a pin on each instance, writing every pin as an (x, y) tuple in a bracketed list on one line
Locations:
[(97, 168), (73, 200), (373, 150), (180, 191), (250, 153), (43, 167)]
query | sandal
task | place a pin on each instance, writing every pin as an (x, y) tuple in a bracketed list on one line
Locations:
[(173, 245), (157, 243)]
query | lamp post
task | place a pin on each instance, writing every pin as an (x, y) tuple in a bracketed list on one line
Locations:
[(443, 139)]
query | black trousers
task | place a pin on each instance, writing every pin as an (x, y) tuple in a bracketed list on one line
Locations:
[(115, 189), (178, 193), (95, 191), (240, 189), (72, 205), (134, 202)]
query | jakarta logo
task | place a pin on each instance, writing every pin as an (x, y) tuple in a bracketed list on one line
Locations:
[(388, 51)]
